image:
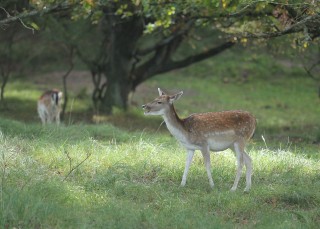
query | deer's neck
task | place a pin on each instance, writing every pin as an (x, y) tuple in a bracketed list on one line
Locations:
[(175, 124)]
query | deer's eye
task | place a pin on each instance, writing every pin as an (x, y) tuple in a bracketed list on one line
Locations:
[(159, 102)]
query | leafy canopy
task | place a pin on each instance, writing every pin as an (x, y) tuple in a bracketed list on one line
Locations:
[(241, 18)]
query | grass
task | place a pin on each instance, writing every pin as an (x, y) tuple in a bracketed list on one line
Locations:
[(125, 172), (131, 180)]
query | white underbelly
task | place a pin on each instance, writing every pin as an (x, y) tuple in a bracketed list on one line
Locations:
[(190, 146), (215, 141), (215, 145)]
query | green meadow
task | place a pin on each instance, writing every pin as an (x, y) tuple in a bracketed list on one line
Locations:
[(124, 170)]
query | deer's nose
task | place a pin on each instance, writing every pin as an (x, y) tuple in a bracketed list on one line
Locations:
[(143, 106)]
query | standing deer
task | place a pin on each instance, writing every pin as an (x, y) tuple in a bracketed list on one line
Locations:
[(215, 131), (49, 106)]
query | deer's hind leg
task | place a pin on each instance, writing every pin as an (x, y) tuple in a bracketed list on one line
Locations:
[(42, 114), (242, 158), (206, 156), (239, 157)]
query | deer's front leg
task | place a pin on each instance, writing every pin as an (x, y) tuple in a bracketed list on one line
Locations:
[(186, 169)]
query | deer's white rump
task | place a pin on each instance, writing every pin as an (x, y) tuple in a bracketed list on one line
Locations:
[(49, 106), (212, 131)]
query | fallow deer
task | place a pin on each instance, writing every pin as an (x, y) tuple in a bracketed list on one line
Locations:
[(212, 131), (49, 106)]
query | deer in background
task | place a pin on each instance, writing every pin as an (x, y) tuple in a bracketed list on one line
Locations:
[(212, 131), (49, 106)]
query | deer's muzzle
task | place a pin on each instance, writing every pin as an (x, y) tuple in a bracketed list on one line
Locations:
[(146, 108)]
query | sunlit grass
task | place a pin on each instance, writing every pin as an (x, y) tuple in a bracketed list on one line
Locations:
[(132, 180)]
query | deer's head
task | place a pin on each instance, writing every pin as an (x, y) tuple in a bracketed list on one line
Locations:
[(161, 104)]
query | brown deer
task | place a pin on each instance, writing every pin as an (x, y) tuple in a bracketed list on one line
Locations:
[(49, 106), (212, 131)]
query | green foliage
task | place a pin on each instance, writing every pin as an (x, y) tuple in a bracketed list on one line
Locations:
[(250, 16)]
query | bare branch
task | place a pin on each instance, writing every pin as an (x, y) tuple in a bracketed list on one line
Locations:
[(23, 24), (295, 28), (159, 64), (45, 10), (64, 80), (309, 70), (71, 169), (252, 5), (195, 58)]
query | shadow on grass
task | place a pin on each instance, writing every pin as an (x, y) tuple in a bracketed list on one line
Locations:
[(25, 110), (306, 134)]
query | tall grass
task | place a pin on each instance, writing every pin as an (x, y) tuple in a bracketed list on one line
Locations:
[(131, 180)]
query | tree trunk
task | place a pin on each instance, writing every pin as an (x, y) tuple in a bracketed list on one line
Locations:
[(120, 66), (115, 95), (116, 65), (5, 78), (64, 81)]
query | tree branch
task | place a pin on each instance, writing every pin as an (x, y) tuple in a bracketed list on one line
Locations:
[(295, 28), (309, 70), (45, 10), (195, 58), (64, 80), (156, 66), (71, 169)]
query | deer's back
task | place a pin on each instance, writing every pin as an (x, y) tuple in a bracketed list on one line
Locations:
[(241, 123)]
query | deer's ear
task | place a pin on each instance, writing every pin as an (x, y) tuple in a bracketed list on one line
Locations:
[(161, 92), (175, 97)]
